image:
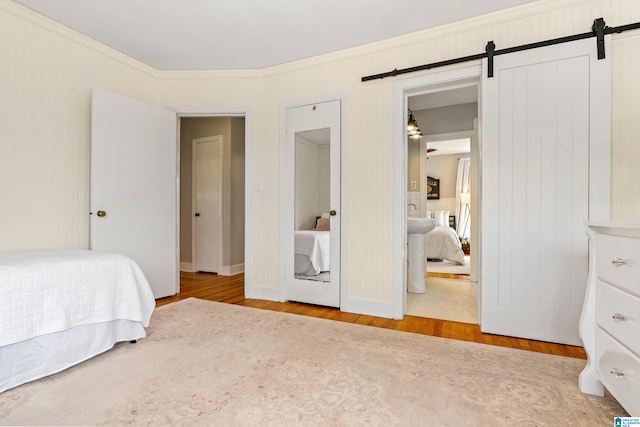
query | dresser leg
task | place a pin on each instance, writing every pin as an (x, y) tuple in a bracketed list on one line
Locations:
[(588, 381)]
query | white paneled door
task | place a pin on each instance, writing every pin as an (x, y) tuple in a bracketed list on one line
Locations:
[(134, 186), (545, 170), (207, 203)]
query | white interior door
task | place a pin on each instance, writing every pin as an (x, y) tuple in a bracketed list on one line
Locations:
[(207, 196), (311, 188), (133, 182), (545, 170)]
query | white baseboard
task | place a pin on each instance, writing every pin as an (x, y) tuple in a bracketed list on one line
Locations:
[(186, 266), (368, 307), (261, 292), (230, 270), (224, 270)]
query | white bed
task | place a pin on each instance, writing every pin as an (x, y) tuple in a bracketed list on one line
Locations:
[(59, 307), (443, 243), (312, 250)]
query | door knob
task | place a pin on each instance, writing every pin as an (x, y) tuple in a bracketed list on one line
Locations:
[(102, 213), (197, 213), (332, 213)]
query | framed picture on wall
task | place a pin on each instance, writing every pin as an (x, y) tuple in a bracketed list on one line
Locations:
[(433, 188)]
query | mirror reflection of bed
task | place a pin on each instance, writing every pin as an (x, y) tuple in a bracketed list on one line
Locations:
[(312, 219), (312, 258)]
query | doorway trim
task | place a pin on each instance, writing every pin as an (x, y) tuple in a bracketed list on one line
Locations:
[(250, 290), (343, 185), (402, 90)]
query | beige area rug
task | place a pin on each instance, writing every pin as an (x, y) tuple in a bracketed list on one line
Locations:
[(210, 364), (445, 266), (447, 299)]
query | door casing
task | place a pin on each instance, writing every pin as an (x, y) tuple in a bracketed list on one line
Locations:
[(250, 289)]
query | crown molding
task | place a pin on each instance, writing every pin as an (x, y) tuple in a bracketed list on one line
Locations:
[(210, 74), (74, 36), (471, 24), (445, 30)]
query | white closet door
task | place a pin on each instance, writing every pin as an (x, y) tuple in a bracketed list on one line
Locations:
[(545, 170)]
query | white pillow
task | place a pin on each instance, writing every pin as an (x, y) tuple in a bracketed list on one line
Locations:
[(429, 214), (442, 218)]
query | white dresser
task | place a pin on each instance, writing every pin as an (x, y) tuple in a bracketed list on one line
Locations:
[(610, 320)]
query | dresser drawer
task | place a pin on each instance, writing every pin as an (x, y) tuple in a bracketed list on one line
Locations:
[(618, 261), (618, 313), (619, 371)]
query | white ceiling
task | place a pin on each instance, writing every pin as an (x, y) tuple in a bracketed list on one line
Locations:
[(250, 34), (451, 146), (462, 95)]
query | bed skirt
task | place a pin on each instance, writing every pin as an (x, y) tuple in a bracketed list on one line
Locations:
[(48, 354)]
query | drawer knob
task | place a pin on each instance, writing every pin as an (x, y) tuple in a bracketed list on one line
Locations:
[(617, 373), (618, 317), (617, 261)]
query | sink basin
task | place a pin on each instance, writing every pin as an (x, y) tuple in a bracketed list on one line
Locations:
[(420, 225)]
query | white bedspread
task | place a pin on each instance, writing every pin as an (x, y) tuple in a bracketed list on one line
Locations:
[(443, 243), (45, 291), (315, 245)]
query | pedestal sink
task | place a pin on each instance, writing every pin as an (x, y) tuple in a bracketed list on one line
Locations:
[(417, 228)]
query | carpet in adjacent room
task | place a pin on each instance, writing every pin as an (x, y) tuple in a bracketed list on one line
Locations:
[(447, 299)]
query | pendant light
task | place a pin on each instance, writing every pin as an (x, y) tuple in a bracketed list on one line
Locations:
[(413, 130)]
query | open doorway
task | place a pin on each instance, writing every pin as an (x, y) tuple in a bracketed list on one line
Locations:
[(229, 132), (441, 162), (446, 108)]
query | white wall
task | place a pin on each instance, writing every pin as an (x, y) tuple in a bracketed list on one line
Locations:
[(433, 121), (444, 168), (47, 73), (236, 192)]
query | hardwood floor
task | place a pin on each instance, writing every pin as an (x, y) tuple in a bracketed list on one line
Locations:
[(230, 289)]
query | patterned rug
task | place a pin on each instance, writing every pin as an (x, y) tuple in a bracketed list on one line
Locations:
[(206, 363)]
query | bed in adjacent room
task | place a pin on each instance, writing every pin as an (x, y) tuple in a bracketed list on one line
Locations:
[(443, 243), (59, 307)]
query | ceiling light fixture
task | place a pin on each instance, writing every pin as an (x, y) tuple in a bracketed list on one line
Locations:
[(413, 130)]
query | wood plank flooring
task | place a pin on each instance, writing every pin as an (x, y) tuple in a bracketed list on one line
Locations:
[(230, 289)]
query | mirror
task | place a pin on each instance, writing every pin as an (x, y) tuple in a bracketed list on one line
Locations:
[(312, 205)]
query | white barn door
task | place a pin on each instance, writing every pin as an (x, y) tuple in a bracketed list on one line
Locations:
[(545, 170), (134, 186)]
